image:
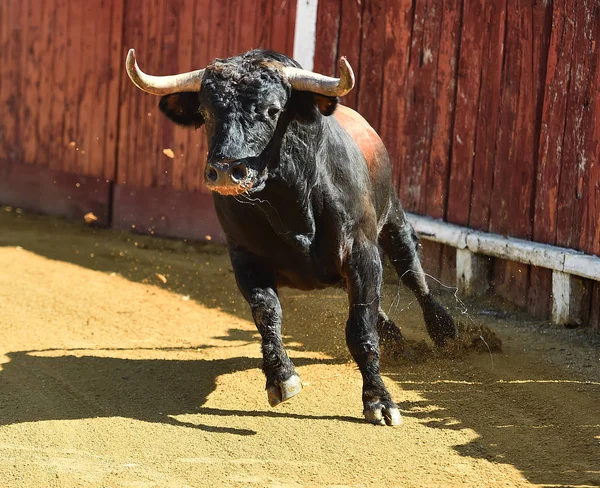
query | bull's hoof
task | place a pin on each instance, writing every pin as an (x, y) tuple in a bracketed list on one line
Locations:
[(439, 324), (383, 413), (284, 390)]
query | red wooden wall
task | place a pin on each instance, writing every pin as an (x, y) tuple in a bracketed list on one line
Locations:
[(77, 136), (490, 111), (61, 63)]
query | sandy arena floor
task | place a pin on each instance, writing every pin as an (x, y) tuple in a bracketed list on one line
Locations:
[(110, 377)]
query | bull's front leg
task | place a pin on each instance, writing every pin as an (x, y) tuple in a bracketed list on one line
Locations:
[(363, 272), (257, 284)]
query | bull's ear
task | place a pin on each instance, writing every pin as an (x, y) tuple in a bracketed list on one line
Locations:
[(326, 105), (308, 105), (182, 108)]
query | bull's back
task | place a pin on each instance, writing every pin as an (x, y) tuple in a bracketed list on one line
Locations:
[(374, 152)]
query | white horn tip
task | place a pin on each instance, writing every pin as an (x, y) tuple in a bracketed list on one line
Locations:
[(131, 58), (347, 74)]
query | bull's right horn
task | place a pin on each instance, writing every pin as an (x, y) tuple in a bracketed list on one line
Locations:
[(163, 85), (305, 80)]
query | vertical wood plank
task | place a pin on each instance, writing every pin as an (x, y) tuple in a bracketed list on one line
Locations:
[(350, 39), (487, 117), (575, 168), (171, 38), (116, 72), (55, 133), (185, 62), (46, 82), (84, 161), (235, 27), (443, 110), (465, 122), (398, 28), (279, 26), (553, 123), (248, 28), (100, 73), (262, 27), (157, 30), (31, 83), (291, 28), (73, 81), (539, 301), (371, 55), (210, 42), (327, 36), (11, 56)]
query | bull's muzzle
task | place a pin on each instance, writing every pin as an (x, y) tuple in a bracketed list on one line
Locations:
[(227, 177)]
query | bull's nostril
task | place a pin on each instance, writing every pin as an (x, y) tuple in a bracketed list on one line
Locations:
[(211, 174), (238, 172)]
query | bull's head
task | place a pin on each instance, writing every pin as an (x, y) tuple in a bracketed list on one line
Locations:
[(246, 103)]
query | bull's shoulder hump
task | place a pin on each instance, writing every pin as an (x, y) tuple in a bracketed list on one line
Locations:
[(363, 134)]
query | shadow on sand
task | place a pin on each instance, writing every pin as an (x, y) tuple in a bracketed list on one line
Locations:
[(544, 424)]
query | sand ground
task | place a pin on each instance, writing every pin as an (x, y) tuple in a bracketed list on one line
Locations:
[(110, 377)]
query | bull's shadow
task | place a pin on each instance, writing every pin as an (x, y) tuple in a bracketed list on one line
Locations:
[(38, 387)]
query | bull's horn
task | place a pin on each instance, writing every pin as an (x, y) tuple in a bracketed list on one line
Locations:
[(163, 85), (304, 80)]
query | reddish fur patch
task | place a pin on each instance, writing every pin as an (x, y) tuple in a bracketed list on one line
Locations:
[(363, 134)]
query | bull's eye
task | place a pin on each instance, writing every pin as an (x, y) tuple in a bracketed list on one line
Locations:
[(273, 112)]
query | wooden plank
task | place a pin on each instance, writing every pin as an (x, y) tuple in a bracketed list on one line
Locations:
[(56, 132), (398, 28), (46, 89), (539, 295), (291, 28), (443, 111), (511, 211), (184, 63), (210, 42), (594, 315), (327, 36), (411, 166), (350, 39), (553, 122), (234, 30), (100, 67), (371, 55), (165, 212), (30, 84), (171, 40), (40, 189), (128, 95), (72, 92), (465, 123), (262, 26), (487, 117), (247, 30), (279, 27), (539, 302), (147, 157), (85, 93), (579, 129), (116, 73), (11, 72)]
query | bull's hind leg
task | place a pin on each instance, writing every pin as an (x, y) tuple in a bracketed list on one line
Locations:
[(363, 272), (399, 241), (258, 286)]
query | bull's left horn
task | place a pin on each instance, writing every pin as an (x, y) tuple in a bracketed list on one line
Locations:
[(304, 80), (163, 85)]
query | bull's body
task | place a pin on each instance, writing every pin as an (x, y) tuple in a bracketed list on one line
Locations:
[(305, 200), (304, 222)]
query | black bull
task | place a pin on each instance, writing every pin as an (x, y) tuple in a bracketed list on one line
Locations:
[(302, 188)]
